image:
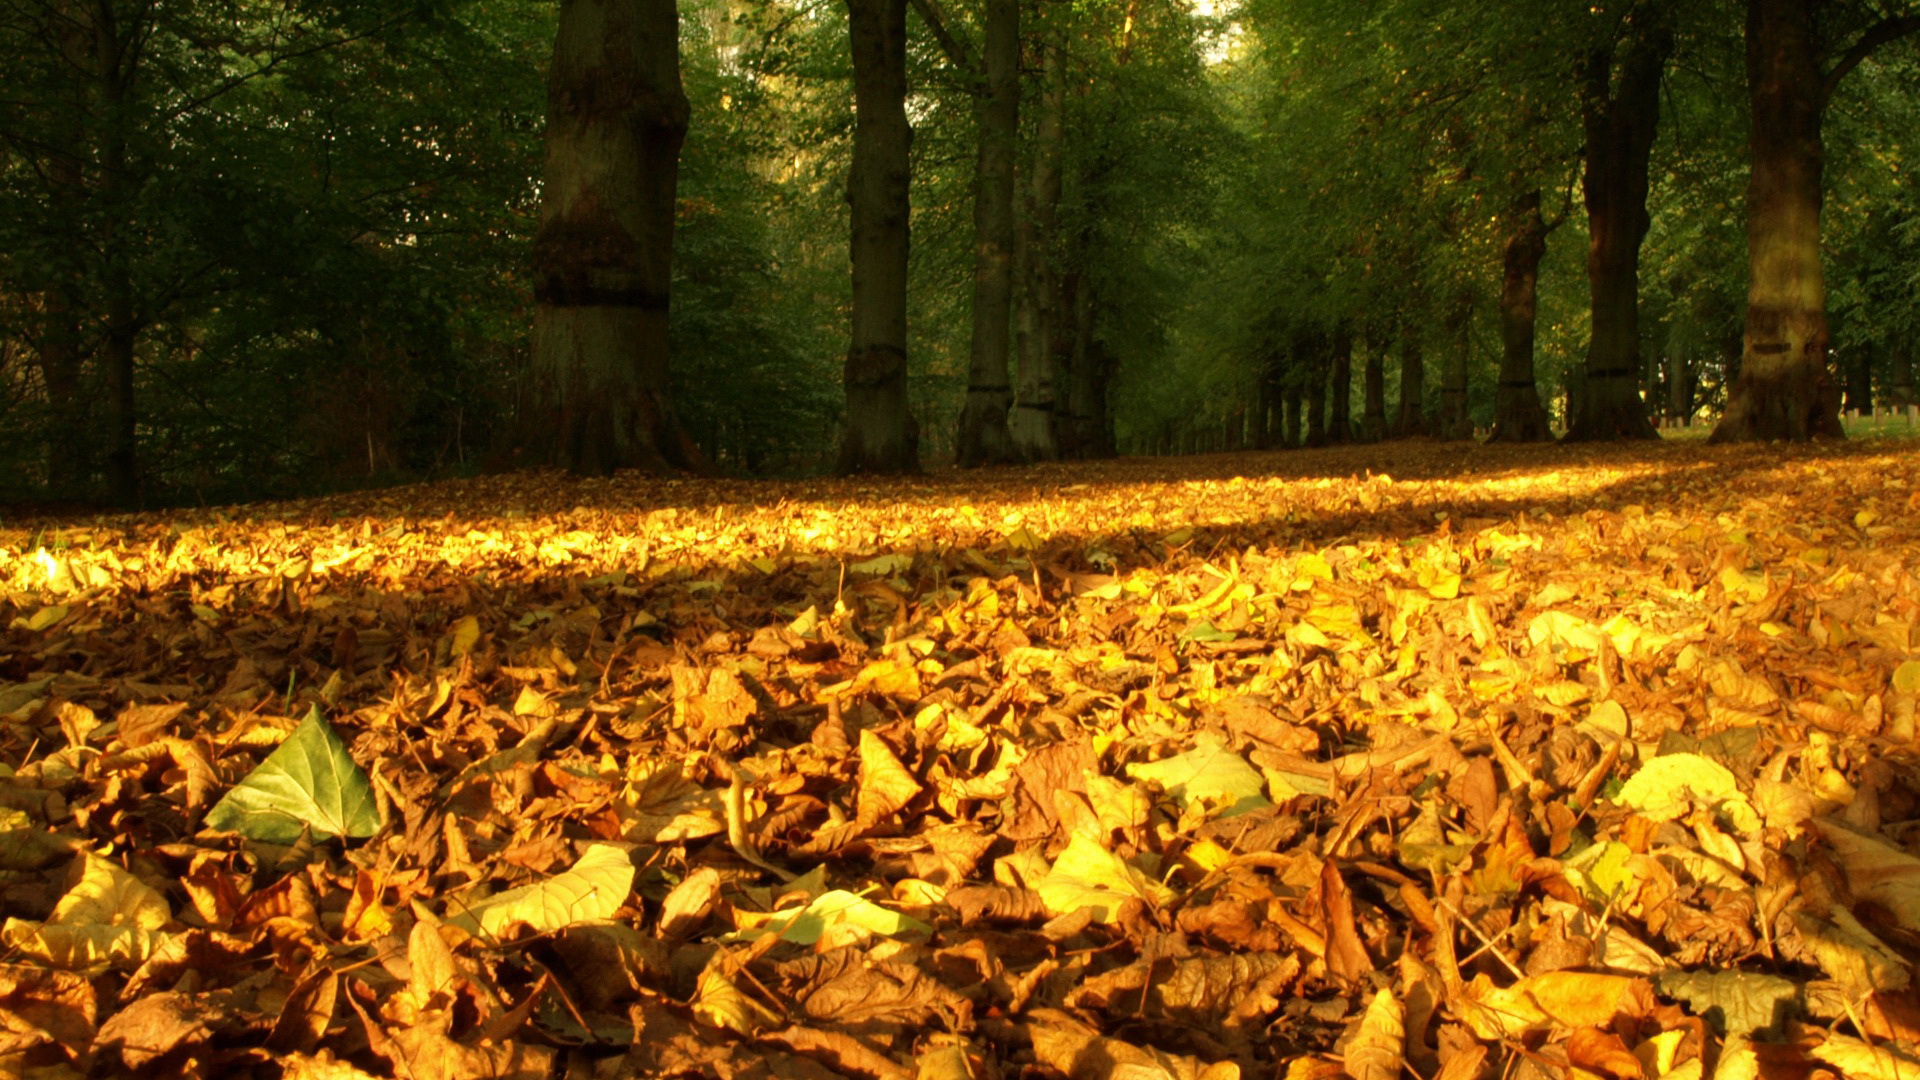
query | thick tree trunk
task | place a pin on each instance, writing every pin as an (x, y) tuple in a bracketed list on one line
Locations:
[(1517, 413), (1784, 390), (881, 434), (1373, 381), (983, 438), (1340, 423), (1455, 421), (1622, 115), (1033, 424), (1412, 420), (1290, 401), (603, 255)]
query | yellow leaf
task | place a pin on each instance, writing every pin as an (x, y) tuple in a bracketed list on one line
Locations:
[(592, 890), (885, 784), (1565, 999), (46, 617), (466, 634), (1906, 677), (1377, 1047), (1088, 875), (1666, 787)]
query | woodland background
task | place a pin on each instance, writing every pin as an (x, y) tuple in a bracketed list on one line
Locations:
[(266, 248)]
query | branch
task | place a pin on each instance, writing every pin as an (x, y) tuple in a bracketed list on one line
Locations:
[(958, 51), (1888, 29)]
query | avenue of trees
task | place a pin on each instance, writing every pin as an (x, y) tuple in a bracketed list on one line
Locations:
[(252, 248)]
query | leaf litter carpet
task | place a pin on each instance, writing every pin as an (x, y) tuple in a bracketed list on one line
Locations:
[(1415, 759)]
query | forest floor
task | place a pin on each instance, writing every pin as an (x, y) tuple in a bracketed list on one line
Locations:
[(1457, 761)]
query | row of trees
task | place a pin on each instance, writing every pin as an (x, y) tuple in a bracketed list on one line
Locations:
[(268, 246)]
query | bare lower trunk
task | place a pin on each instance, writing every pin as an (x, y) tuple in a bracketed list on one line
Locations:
[(983, 437), (1033, 423), (881, 434), (1784, 390), (1622, 114), (1339, 424), (1412, 420), (1373, 379), (1455, 422), (1090, 423), (1900, 376), (1517, 413), (1859, 368), (1316, 375), (603, 256)]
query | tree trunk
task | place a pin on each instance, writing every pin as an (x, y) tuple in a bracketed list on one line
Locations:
[(1090, 431), (1315, 370), (1373, 379), (1412, 420), (1340, 423), (1290, 410), (881, 434), (1621, 118), (983, 438), (603, 255), (1859, 368), (114, 59), (1455, 422), (1517, 413), (1784, 390), (1032, 424), (1900, 376)]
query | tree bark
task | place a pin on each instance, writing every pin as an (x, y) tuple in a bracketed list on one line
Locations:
[(1621, 116), (1412, 420), (983, 438), (1090, 422), (1373, 380), (881, 434), (603, 255), (1518, 415), (1900, 376), (1784, 390), (1033, 423), (1315, 370), (1455, 421), (1340, 423)]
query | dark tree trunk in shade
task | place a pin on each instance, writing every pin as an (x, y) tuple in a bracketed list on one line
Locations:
[(1340, 422), (1784, 390), (983, 437), (1091, 372), (881, 434), (1518, 415), (1316, 372), (1033, 425), (603, 254), (1858, 364), (1373, 379), (1455, 421), (1620, 106), (1412, 419), (1900, 376), (1290, 411)]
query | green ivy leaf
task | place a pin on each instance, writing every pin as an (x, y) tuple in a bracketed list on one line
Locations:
[(309, 782)]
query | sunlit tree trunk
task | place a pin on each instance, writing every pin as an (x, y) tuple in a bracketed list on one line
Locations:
[(881, 434), (603, 255), (1621, 111), (1033, 423), (983, 437), (1784, 390), (1340, 422), (1518, 415)]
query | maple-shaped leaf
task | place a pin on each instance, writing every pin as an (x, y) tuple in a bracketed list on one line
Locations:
[(309, 783), (107, 917)]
